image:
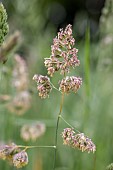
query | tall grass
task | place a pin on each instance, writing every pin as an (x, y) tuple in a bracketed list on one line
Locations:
[(90, 110)]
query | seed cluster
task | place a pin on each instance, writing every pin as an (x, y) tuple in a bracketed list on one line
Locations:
[(21, 101), (33, 131), (4, 28), (20, 159), (14, 155), (79, 140), (63, 57), (63, 54), (20, 74), (43, 85), (110, 167), (70, 84)]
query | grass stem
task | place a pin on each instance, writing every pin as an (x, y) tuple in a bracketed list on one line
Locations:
[(56, 134)]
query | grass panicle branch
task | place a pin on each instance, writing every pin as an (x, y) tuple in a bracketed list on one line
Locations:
[(30, 147)]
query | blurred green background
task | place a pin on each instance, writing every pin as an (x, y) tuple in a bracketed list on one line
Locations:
[(91, 109)]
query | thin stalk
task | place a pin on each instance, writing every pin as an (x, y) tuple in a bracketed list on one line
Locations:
[(56, 134), (55, 87), (94, 163), (66, 122), (69, 124), (29, 147)]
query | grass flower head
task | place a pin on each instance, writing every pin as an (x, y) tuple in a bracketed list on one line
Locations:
[(63, 54), (43, 85), (32, 132), (79, 140), (4, 28), (20, 159), (70, 84)]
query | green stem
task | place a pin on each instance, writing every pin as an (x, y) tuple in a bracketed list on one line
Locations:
[(56, 134), (55, 87), (66, 122), (69, 124), (94, 163), (29, 147)]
